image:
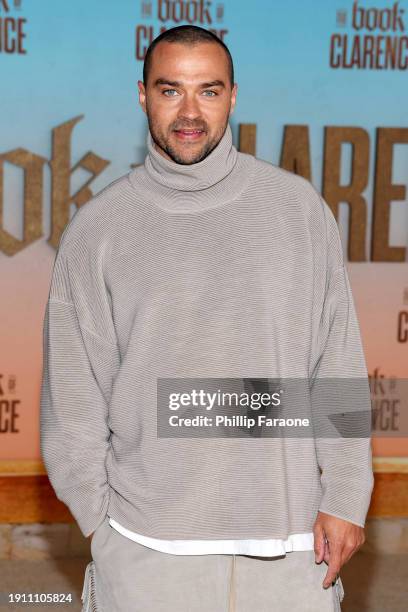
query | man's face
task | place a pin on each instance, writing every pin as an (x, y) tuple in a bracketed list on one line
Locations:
[(187, 99)]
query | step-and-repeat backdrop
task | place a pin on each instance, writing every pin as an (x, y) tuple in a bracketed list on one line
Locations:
[(325, 84)]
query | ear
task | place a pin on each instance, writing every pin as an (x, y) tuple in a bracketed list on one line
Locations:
[(142, 95), (234, 92)]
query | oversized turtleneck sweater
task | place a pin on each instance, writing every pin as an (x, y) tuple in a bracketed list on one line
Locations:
[(208, 276)]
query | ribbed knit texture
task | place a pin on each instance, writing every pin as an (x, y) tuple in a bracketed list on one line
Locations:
[(231, 267)]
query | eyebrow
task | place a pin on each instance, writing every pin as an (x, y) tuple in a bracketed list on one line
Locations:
[(162, 81)]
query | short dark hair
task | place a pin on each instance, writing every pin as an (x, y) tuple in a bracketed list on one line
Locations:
[(188, 35)]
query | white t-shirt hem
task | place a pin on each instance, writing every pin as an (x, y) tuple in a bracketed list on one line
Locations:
[(263, 548)]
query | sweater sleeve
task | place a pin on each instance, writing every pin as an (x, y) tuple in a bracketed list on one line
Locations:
[(341, 396), (78, 369)]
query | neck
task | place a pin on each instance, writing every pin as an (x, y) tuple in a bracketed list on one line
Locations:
[(212, 181)]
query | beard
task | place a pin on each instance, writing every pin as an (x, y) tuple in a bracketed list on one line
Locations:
[(183, 155)]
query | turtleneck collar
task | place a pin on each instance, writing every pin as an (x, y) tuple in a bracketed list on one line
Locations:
[(218, 178)]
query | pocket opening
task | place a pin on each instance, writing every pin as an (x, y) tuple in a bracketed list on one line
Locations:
[(88, 596), (338, 594), (340, 588)]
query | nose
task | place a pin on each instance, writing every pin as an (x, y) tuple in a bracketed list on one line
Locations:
[(189, 108)]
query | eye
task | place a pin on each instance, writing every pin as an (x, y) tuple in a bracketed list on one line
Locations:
[(213, 93), (165, 92)]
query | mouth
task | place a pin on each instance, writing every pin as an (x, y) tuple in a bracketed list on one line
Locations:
[(189, 134)]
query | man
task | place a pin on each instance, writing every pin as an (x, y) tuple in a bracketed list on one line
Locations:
[(203, 263)]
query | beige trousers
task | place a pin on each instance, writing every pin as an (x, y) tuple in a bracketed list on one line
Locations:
[(125, 576)]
